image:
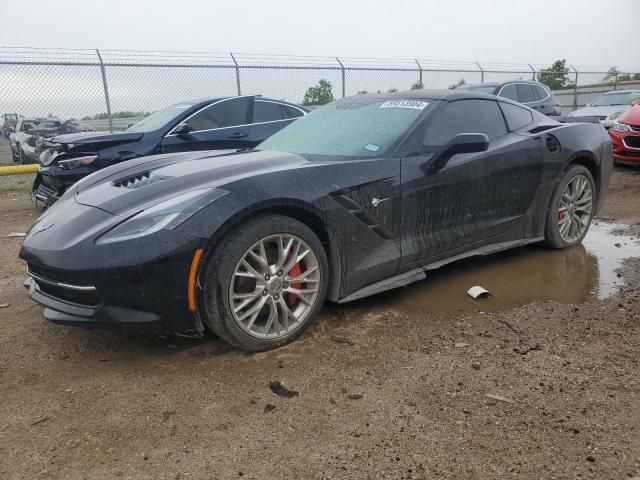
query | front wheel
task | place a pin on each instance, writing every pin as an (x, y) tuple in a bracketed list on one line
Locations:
[(265, 283), (572, 208)]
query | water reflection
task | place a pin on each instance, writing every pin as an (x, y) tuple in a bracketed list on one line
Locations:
[(520, 276)]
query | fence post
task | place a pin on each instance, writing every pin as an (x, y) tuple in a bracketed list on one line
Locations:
[(575, 88), (237, 72), (343, 77), (533, 72), (106, 90), (481, 72), (420, 74)]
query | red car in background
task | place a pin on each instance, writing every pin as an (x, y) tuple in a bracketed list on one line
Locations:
[(625, 136)]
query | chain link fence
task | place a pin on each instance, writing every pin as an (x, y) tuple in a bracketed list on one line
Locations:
[(110, 89)]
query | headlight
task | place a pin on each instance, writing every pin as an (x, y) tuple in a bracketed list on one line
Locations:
[(77, 162), (615, 115), (620, 127), (164, 215)]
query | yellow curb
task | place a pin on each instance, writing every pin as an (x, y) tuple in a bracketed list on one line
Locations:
[(18, 169)]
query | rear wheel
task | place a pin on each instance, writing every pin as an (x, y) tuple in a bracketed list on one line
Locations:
[(265, 283), (22, 158), (16, 153), (572, 208)]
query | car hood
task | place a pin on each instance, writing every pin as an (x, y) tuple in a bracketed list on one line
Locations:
[(599, 111), (100, 137), (632, 116), (134, 185)]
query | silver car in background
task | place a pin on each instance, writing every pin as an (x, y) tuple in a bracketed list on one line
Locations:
[(608, 106)]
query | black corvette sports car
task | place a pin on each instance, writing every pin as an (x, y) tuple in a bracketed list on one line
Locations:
[(360, 196)]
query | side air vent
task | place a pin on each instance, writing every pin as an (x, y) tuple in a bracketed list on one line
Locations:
[(552, 144)]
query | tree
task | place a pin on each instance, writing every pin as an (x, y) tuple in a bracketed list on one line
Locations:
[(319, 94), (392, 90), (555, 77), (459, 83), (627, 77), (417, 86), (124, 114)]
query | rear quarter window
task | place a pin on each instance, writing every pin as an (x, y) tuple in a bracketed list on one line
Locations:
[(517, 117), (542, 93), (291, 112)]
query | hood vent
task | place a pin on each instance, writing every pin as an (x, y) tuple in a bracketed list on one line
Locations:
[(140, 180)]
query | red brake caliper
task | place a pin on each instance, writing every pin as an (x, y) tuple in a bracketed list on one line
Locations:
[(560, 216), (294, 272)]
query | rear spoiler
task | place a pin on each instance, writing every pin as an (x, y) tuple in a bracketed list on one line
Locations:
[(577, 119)]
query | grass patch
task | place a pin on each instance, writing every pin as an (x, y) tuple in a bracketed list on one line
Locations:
[(17, 183)]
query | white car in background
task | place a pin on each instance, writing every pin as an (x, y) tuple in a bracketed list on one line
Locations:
[(608, 106)]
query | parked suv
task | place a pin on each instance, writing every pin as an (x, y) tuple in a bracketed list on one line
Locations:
[(532, 94)]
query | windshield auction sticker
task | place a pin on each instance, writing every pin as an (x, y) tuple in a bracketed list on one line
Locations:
[(413, 104)]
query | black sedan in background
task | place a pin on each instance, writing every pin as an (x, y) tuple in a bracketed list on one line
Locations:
[(532, 94), (357, 197), (213, 124)]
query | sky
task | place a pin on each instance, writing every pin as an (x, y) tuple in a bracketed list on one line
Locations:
[(585, 32), (497, 33)]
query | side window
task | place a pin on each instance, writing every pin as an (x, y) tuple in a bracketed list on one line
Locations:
[(542, 93), (509, 91), (465, 116), (227, 113), (526, 94), (517, 117), (291, 112), (266, 111)]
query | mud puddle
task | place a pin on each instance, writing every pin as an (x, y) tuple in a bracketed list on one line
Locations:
[(521, 276)]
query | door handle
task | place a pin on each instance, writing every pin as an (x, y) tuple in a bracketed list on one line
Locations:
[(238, 135)]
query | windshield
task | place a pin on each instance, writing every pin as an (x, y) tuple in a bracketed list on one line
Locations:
[(490, 89), (158, 119), (353, 129), (622, 98)]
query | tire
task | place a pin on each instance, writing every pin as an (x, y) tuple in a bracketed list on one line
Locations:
[(15, 153), (258, 286), (22, 158), (564, 209)]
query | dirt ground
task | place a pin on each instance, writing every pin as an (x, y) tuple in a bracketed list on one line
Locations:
[(545, 390)]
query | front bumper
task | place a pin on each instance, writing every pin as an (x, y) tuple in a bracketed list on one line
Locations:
[(52, 182), (64, 311), (142, 282), (622, 152)]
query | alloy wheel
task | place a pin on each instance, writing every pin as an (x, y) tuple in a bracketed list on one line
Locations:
[(575, 208), (274, 286)]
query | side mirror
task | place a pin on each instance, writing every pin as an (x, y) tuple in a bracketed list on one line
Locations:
[(461, 143), (635, 102), (182, 129)]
